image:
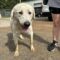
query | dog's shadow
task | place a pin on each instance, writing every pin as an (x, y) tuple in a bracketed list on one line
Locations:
[(10, 42), (11, 45)]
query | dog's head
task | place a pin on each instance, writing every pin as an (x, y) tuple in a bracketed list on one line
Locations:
[(24, 14)]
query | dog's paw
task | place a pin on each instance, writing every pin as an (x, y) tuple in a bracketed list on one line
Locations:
[(32, 48), (16, 53)]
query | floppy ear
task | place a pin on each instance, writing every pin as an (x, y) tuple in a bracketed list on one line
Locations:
[(34, 14), (13, 13), (11, 16)]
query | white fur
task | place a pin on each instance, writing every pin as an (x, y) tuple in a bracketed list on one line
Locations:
[(17, 20)]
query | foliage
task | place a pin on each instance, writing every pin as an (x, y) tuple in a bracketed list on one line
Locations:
[(8, 4)]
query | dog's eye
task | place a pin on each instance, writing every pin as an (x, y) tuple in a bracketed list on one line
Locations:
[(21, 12), (29, 12)]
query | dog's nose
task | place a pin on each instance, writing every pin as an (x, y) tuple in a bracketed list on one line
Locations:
[(27, 24)]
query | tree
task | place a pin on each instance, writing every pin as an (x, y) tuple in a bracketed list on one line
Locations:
[(8, 4), (26, 0)]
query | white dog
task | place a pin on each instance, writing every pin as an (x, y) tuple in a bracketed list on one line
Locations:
[(21, 22)]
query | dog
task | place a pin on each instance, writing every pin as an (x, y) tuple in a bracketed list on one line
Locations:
[(21, 22)]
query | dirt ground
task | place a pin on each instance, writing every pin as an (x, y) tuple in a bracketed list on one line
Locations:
[(42, 37)]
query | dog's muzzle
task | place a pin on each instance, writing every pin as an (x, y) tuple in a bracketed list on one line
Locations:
[(26, 25)]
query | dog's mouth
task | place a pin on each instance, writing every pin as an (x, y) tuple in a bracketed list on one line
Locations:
[(24, 27)]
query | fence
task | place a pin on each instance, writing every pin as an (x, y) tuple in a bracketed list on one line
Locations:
[(5, 12)]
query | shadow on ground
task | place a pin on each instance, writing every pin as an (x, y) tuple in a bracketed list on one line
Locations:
[(40, 39), (11, 45)]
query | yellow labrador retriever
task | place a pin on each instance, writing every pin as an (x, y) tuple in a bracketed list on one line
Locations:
[(21, 22)]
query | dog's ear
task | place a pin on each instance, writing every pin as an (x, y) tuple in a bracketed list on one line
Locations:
[(13, 13), (34, 14)]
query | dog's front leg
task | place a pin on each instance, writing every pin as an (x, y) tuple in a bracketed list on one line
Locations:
[(32, 47), (16, 51), (15, 36)]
